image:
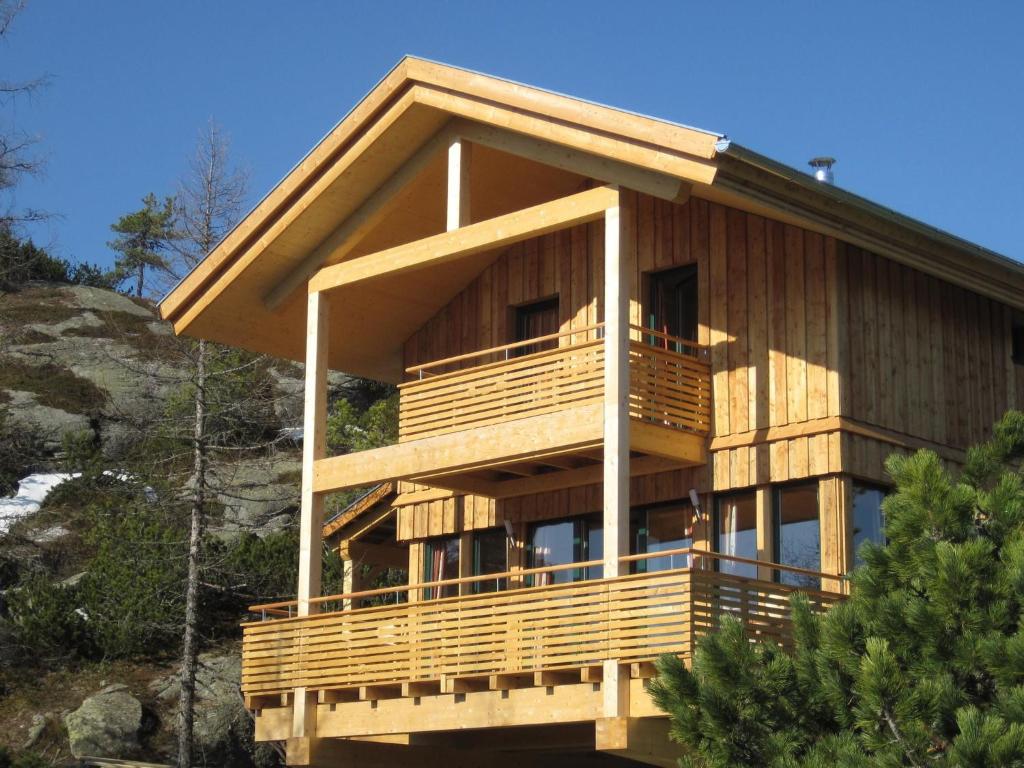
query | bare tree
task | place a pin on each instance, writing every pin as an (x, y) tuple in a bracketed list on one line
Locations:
[(16, 158), (209, 201)]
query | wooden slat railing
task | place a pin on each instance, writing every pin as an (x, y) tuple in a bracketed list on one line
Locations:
[(535, 384), (669, 387), (559, 626)]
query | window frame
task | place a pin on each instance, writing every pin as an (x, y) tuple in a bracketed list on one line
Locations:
[(776, 518)]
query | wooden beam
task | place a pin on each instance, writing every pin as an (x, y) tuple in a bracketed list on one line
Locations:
[(461, 450), (338, 696), (553, 677), (508, 682), (619, 262), (642, 670), (311, 516), (644, 739), (686, 448), (314, 448), (357, 224), (551, 481), (459, 155), (602, 169), (378, 692), (464, 684), (421, 689), (406, 498), (580, 138), (487, 235)]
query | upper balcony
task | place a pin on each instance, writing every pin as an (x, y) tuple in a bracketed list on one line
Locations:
[(529, 416)]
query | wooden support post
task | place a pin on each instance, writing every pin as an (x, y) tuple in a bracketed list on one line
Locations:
[(458, 183), (619, 256), (466, 562), (834, 502), (314, 447), (765, 532)]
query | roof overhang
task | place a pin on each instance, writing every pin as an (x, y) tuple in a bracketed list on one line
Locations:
[(377, 180)]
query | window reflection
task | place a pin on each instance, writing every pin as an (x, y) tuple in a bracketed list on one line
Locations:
[(659, 529), (736, 532), (561, 542), (797, 533), (490, 555), (868, 518)]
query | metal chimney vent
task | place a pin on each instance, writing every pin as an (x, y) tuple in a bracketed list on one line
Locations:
[(823, 169)]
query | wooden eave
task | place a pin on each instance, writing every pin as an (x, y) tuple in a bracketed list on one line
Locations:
[(385, 493), (247, 292), (758, 184)]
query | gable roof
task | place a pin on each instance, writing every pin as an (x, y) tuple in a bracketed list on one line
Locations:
[(385, 156)]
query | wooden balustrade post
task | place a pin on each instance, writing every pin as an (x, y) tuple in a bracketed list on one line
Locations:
[(619, 256), (314, 448)]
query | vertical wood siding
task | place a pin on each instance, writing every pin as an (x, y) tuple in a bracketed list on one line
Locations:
[(801, 327)]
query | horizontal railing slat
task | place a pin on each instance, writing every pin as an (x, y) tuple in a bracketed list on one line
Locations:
[(560, 626)]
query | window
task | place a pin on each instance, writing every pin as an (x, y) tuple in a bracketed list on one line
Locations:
[(672, 304), (797, 533), (658, 529), (736, 532), (441, 562), (1017, 340), (560, 542), (868, 518), (533, 321), (490, 555)]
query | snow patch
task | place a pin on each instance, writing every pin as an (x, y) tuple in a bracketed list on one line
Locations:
[(32, 491)]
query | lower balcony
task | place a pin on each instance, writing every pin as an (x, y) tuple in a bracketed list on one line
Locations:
[(529, 417), (522, 650)]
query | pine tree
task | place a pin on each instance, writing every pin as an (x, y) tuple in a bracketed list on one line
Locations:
[(922, 666), (144, 237)]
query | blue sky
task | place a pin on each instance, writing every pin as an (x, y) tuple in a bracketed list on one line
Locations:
[(920, 101)]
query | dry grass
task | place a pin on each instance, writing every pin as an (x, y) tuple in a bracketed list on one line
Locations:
[(38, 304), (53, 385)]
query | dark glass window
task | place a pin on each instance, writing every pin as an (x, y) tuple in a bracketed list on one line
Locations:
[(1017, 340), (534, 320), (440, 563), (672, 304), (560, 542), (490, 555), (797, 533), (868, 518), (658, 529), (736, 532)]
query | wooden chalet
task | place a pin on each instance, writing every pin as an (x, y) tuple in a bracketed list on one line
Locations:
[(647, 377)]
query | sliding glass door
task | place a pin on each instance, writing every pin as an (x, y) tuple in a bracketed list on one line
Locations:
[(562, 542)]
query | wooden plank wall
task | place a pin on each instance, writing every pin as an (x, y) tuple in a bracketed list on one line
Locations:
[(801, 329), (465, 513), (567, 264), (927, 358)]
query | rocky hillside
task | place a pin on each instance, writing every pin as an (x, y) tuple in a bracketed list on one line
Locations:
[(87, 366), (76, 360)]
